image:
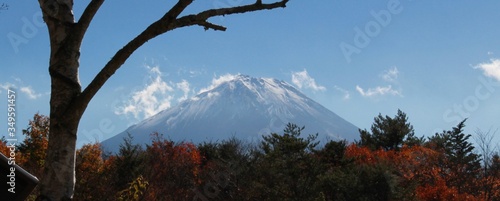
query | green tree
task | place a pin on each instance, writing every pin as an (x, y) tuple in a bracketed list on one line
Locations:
[(129, 163), (389, 133), (359, 182), (285, 169), (227, 168), (69, 100), (332, 154), (463, 164)]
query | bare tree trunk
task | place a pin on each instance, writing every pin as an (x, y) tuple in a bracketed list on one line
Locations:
[(487, 150), (68, 102), (57, 181), (59, 173)]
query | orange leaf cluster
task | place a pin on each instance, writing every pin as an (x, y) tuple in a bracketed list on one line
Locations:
[(175, 169), (416, 164)]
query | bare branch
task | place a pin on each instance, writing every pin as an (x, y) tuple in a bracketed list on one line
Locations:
[(201, 18), (209, 25), (157, 28), (167, 23), (87, 16), (487, 150), (175, 11)]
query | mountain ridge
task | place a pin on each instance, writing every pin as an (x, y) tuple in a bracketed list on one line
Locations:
[(241, 106)]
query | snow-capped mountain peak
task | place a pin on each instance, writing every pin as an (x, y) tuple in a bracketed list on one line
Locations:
[(240, 106)]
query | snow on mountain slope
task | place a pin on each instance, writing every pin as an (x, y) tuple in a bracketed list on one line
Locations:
[(244, 107)]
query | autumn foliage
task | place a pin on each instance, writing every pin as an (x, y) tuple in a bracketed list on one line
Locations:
[(282, 167), (417, 166), (174, 169)]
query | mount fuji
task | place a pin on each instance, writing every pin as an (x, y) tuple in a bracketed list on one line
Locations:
[(243, 107)]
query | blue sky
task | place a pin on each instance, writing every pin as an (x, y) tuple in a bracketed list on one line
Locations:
[(438, 61)]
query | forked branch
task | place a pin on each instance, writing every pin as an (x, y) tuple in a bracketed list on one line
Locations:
[(168, 22), (201, 18), (87, 16)]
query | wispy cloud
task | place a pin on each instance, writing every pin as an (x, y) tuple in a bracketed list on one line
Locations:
[(6, 86), (346, 94), (30, 92), (302, 79), (490, 69), (184, 87), (217, 81), (390, 75), (27, 90), (377, 91), (153, 98)]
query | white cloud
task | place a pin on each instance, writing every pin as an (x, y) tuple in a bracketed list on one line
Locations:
[(153, 98), (217, 81), (491, 69), (30, 92), (346, 93), (303, 80), (184, 87), (378, 91), (6, 86), (391, 75)]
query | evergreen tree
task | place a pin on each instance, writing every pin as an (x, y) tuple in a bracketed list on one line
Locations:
[(389, 133), (463, 164), (226, 165), (360, 183), (332, 154), (129, 163), (286, 169), (290, 144)]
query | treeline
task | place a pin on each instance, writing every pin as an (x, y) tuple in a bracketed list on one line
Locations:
[(388, 163)]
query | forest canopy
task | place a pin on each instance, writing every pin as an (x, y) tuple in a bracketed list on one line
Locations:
[(388, 163)]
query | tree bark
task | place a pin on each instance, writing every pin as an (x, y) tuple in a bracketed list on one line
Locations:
[(68, 102), (58, 179)]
